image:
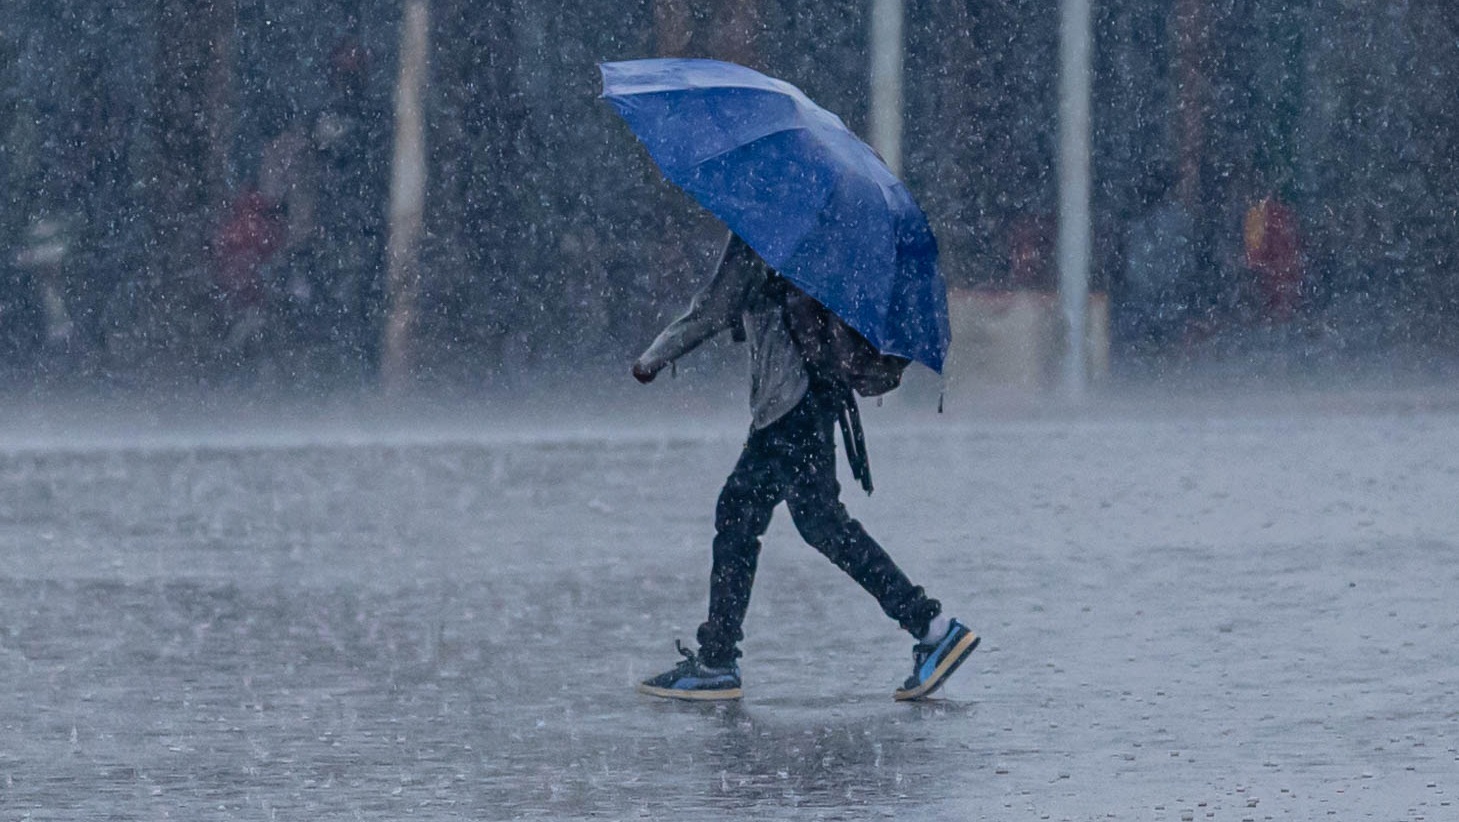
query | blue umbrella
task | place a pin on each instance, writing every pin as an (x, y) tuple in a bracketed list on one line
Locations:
[(814, 201)]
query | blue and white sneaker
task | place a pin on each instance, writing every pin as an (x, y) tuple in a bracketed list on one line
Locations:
[(934, 662), (691, 679)]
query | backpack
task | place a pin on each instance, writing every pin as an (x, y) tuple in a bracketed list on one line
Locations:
[(838, 355), (835, 352)]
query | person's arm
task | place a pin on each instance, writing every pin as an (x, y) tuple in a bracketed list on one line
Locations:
[(715, 308)]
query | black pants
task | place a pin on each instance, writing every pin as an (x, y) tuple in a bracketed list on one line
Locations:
[(794, 459)]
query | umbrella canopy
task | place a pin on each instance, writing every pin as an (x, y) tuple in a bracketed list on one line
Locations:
[(811, 198)]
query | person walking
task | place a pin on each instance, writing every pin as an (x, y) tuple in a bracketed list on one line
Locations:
[(790, 456)]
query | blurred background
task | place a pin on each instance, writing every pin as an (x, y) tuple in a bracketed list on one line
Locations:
[(196, 193), (325, 491)]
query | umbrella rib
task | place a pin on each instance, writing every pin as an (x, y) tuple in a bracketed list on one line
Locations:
[(799, 242), (734, 148)]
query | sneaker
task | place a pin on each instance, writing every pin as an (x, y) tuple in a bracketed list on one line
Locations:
[(692, 679), (933, 662)]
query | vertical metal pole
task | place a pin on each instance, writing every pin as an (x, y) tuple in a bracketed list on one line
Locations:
[(886, 81), (1074, 188), (222, 97), (407, 196), (1188, 90)]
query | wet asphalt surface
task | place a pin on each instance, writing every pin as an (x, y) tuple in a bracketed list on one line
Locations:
[(1189, 616)]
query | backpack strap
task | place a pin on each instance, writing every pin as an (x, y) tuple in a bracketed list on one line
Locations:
[(812, 344), (848, 415), (737, 328), (805, 322)]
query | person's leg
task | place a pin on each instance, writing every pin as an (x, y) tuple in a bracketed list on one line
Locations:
[(741, 517), (814, 499), (742, 514)]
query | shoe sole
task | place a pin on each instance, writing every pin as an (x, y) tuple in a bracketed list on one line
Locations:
[(961, 651), (692, 696)]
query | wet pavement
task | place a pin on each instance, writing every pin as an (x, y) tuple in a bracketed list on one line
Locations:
[(1235, 615)]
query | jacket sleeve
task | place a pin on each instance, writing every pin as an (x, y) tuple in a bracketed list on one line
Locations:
[(715, 308)]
